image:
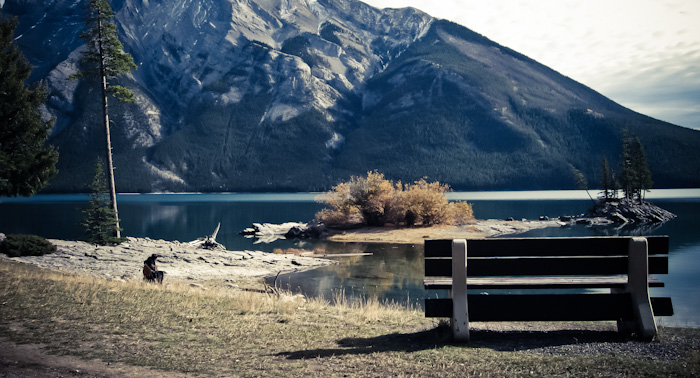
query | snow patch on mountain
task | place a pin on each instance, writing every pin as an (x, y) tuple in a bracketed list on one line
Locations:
[(282, 112), (163, 173), (335, 142), (145, 127)]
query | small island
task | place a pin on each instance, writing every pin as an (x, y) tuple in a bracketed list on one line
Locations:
[(376, 210), (630, 211), (634, 181)]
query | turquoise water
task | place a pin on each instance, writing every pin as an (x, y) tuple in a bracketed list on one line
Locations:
[(392, 272)]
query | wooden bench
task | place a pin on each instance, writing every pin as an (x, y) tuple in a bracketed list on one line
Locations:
[(548, 279)]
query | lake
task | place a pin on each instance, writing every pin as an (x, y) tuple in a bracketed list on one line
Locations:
[(392, 272)]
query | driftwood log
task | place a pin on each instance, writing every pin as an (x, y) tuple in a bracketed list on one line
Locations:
[(209, 242)]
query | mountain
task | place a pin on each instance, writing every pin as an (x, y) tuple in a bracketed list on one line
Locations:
[(273, 95)]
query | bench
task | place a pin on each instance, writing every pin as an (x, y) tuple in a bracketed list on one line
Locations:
[(548, 279)]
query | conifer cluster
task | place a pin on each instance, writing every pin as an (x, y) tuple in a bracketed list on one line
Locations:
[(635, 175), (26, 163)]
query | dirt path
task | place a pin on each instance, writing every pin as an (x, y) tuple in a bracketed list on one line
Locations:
[(20, 361)]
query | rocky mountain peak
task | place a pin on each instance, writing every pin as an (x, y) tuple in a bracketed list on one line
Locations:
[(309, 53)]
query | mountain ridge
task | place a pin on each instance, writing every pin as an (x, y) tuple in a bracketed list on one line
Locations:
[(274, 95)]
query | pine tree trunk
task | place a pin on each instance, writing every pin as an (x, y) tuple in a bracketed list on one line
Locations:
[(110, 165)]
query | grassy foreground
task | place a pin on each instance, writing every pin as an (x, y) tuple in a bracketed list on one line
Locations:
[(226, 332)]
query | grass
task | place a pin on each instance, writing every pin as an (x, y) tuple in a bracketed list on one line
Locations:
[(226, 332)]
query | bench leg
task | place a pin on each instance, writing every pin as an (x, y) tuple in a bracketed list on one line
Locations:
[(460, 312), (643, 324), (625, 327)]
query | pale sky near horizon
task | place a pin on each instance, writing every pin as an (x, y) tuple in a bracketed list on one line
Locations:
[(643, 54)]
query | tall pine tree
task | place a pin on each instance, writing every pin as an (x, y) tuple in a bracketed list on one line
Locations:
[(26, 163), (105, 59)]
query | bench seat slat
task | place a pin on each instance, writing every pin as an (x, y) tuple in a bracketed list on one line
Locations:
[(531, 267), (568, 307), (550, 282), (545, 266), (577, 246)]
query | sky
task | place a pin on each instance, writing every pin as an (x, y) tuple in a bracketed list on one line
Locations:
[(642, 54)]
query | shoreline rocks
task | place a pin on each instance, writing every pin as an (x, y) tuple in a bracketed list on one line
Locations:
[(630, 211)]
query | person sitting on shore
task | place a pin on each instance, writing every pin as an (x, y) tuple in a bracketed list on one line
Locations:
[(150, 270)]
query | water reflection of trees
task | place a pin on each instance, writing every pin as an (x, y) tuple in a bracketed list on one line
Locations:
[(629, 229), (392, 271)]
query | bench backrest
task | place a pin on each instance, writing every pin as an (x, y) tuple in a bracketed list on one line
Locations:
[(544, 256)]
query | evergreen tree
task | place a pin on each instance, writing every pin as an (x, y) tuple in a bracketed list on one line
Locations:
[(26, 164), (615, 185), (105, 59), (635, 173), (641, 167), (99, 222), (608, 183), (628, 176), (581, 181), (604, 179)]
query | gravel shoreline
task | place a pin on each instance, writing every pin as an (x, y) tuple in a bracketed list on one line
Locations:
[(180, 261)]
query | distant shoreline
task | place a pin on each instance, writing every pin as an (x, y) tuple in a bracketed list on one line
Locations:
[(457, 195)]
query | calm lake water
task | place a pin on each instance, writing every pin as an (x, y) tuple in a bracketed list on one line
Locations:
[(392, 272)]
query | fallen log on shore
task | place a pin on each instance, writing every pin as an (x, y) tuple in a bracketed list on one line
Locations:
[(209, 242)]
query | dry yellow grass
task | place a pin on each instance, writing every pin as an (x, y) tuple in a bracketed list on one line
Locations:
[(225, 332)]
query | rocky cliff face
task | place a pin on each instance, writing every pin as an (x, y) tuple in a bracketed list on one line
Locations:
[(298, 94), (304, 54)]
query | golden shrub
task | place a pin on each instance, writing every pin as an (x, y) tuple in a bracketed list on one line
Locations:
[(461, 213), (426, 202), (374, 201)]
